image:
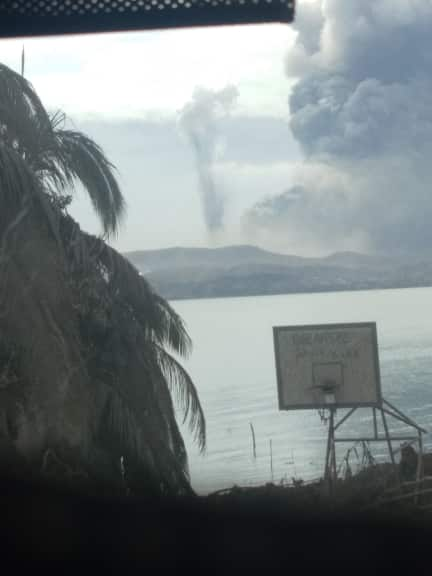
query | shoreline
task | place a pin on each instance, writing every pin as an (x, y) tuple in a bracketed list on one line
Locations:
[(308, 293)]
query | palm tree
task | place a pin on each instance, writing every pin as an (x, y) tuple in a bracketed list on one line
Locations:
[(37, 144), (88, 351)]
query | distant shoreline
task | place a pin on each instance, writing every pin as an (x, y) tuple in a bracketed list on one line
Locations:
[(304, 293)]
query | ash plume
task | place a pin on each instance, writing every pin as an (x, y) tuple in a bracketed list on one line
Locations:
[(361, 112), (199, 118)]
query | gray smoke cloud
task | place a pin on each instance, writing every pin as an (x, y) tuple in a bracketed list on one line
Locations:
[(199, 118), (361, 111)]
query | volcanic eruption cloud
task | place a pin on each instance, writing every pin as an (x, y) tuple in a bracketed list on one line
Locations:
[(361, 111), (199, 118)]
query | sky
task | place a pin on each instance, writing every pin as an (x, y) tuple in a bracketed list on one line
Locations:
[(307, 138)]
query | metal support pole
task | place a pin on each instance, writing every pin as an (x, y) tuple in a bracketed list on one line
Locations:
[(410, 439), (420, 471), (342, 420), (387, 435), (330, 471), (332, 446), (329, 442), (397, 417), (375, 423), (330, 465), (334, 471), (405, 418)]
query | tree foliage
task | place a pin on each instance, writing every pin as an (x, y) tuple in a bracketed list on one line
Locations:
[(95, 349)]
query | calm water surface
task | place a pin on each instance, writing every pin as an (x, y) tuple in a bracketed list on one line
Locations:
[(232, 365)]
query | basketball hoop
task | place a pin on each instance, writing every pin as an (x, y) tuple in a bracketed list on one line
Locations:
[(332, 366), (327, 390)]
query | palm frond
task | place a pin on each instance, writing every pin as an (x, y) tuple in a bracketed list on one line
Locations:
[(137, 437), (159, 326), (59, 157), (173, 327), (75, 157), (163, 406), (184, 389), (17, 181), (117, 423), (23, 117), (153, 312), (19, 186), (122, 326), (58, 120)]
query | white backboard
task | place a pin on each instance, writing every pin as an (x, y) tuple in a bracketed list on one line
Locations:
[(327, 364)]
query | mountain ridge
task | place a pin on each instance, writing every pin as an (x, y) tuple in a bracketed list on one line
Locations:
[(245, 270)]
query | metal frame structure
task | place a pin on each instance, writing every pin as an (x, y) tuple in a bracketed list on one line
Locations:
[(386, 409)]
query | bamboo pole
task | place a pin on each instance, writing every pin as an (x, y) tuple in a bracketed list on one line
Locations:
[(406, 496), (407, 484)]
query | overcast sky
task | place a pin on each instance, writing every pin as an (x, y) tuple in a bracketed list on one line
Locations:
[(304, 138)]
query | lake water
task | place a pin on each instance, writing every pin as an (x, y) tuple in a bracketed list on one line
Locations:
[(232, 365)]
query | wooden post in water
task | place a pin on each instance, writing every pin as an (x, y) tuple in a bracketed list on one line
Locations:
[(271, 460), (253, 440)]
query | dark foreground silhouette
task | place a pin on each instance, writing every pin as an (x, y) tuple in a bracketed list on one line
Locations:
[(51, 527)]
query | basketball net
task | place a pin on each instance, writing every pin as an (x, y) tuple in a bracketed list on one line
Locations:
[(328, 390)]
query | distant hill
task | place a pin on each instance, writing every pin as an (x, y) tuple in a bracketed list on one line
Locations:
[(175, 258), (179, 273)]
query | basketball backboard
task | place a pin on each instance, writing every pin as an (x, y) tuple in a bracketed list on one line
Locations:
[(324, 364)]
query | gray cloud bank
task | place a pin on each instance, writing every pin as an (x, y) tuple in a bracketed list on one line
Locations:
[(361, 112)]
